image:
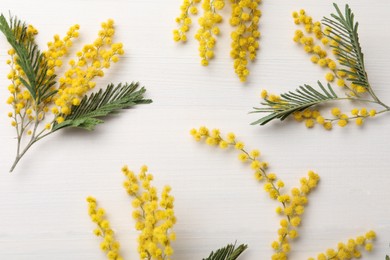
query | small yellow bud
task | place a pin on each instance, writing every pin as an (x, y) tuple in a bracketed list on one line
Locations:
[(359, 121), (335, 111)]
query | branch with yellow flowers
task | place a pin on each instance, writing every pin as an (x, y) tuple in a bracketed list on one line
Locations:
[(155, 217), (244, 18), (36, 91), (292, 206), (340, 35)]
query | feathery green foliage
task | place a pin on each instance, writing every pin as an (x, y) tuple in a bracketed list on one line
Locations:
[(229, 252), (110, 100), (344, 31), (30, 59), (290, 102)]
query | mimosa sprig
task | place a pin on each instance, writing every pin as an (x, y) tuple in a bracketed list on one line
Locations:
[(340, 34), (245, 17), (36, 92), (153, 214), (291, 205), (154, 218)]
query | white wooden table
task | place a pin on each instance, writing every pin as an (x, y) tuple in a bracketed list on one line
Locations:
[(42, 204)]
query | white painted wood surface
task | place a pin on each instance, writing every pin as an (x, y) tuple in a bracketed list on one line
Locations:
[(42, 205)]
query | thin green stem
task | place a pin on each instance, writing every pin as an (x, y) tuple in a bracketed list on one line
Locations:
[(264, 174), (33, 140), (357, 116), (20, 155), (378, 101)]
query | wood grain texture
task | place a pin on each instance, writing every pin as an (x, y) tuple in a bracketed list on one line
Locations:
[(42, 205)]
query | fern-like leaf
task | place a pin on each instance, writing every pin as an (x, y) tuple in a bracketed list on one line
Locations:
[(344, 31), (290, 102), (229, 252), (30, 59), (88, 113)]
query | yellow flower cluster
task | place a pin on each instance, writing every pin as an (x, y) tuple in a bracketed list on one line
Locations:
[(31, 31), (20, 98), (154, 216), (109, 245), (315, 42), (59, 48), (245, 18), (310, 117), (349, 250), (184, 21), (315, 46), (313, 116), (91, 62), (208, 29), (357, 114), (292, 205)]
